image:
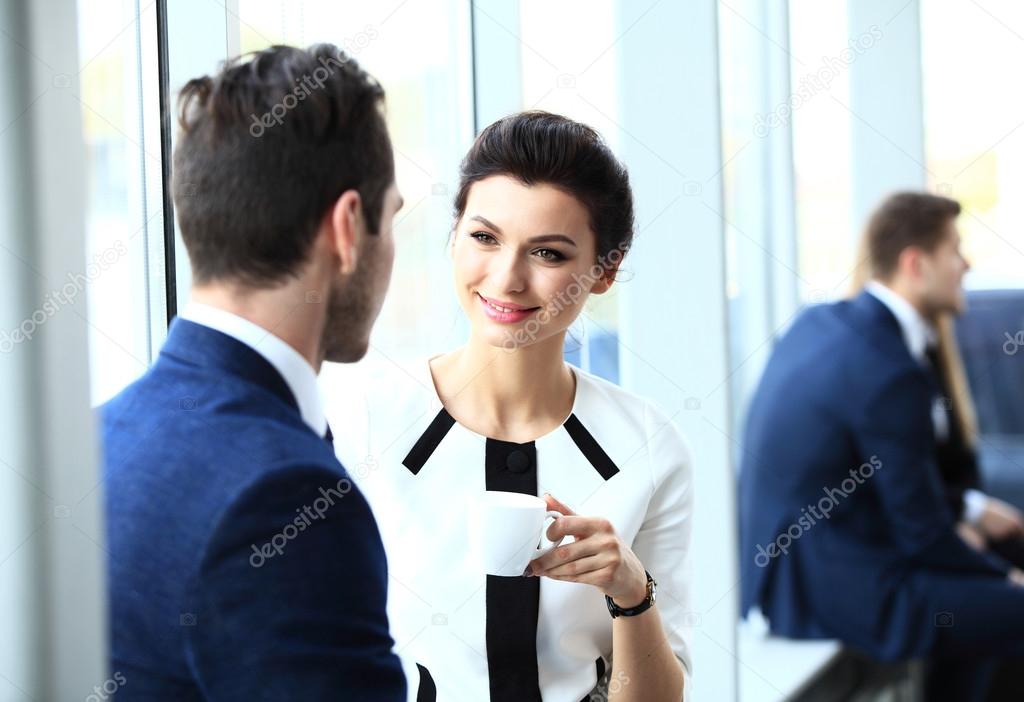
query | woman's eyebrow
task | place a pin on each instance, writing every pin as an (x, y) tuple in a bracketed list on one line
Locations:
[(547, 238), (486, 222), (541, 239)]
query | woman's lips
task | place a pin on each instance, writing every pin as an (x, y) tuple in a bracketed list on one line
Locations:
[(504, 312)]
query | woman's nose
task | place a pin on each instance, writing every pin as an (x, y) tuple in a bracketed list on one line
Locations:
[(509, 272)]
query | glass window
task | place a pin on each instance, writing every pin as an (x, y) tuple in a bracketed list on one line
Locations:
[(112, 76), (974, 143), (826, 252)]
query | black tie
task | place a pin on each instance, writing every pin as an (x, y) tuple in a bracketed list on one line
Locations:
[(329, 437), (956, 460), (935, 371)]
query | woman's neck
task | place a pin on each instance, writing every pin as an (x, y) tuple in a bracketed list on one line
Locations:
[(509, 395)]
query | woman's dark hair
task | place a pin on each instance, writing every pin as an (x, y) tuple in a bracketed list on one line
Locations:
[(539, 147), (266, 147), (906, 219)]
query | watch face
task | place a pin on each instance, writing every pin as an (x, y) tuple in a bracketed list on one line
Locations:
[(654, 591)]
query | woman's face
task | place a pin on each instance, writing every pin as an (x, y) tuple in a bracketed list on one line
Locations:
[(525, 261)]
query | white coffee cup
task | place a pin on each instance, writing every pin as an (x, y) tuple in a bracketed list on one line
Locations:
[(508, 530)]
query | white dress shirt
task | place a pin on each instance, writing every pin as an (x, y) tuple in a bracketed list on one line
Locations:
[(919, 334), (293, 367)]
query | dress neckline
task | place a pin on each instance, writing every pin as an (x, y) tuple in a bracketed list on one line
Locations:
[(577, 375)]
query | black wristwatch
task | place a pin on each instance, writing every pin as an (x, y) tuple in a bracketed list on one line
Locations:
[(617, 611)]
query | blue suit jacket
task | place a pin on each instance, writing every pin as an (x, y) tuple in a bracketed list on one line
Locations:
[(243, 564), (842, 393)]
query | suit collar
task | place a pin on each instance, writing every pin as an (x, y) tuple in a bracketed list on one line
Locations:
[(875, 322), (205, 347), (293, 367), (918, 334)]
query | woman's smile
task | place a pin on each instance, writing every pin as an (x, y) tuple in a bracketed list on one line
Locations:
[(505, 312)]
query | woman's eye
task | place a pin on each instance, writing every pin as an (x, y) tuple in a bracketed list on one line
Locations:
[(550, 255), (483, 237)]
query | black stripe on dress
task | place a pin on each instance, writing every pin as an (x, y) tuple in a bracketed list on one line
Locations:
[(600, 674), (513, 603), (427, 691), (590, 448), (427, 443)]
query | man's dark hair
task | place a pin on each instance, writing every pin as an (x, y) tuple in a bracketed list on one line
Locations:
[(540, 147), (266, 147), (902, 220)]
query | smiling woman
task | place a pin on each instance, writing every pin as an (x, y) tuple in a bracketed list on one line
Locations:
[(512, 275), (544, 216)]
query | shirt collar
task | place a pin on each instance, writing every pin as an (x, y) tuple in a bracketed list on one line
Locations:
[(918, 333), (296, 371)]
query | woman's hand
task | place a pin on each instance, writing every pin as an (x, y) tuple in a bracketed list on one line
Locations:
[(597, 557), (1000, 520), (971, 536)]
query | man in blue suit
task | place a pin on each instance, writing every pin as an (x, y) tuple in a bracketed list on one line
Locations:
[(244, 565), (846, 530)]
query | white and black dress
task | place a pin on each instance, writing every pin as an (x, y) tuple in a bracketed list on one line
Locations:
[(464, 635)]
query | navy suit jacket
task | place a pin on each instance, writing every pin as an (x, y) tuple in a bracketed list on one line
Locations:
[(842, 508), (243, 563)]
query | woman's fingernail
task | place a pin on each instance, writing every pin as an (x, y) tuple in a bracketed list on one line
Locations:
[(528, 572)]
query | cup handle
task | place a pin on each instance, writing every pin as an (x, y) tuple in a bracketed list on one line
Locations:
[(549, 545)]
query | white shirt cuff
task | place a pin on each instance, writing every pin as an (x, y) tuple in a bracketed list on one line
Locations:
[(974, 505)]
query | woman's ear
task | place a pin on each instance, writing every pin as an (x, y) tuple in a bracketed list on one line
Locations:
[(605, 282), (346, 228)]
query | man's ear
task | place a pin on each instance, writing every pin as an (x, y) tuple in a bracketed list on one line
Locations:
[(605, 282), (910, 262), (347, 227)]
